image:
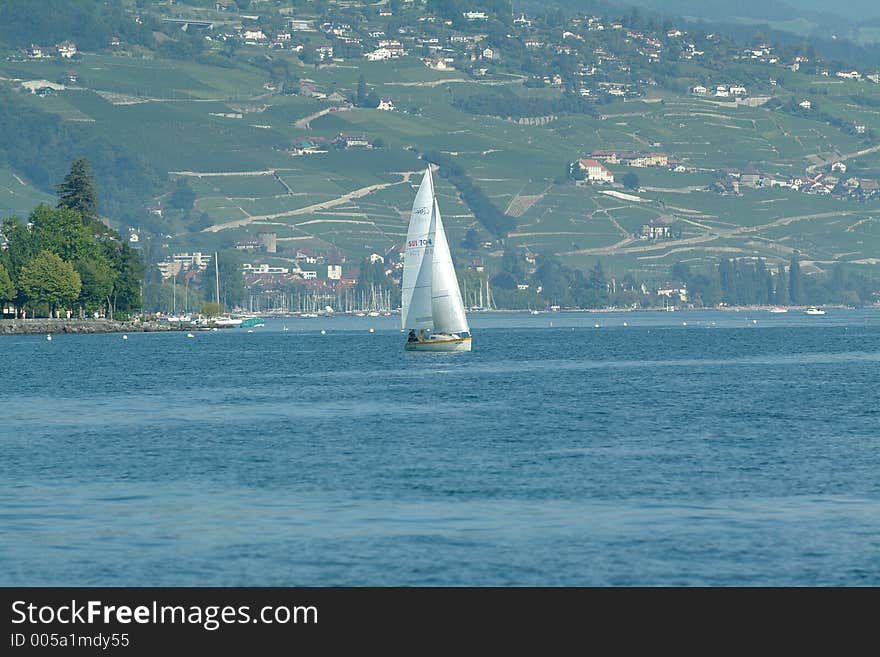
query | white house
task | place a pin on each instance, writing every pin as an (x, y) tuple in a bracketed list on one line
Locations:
[(253, 35), (378, 55), (596, 171), (248, 268), (66, 49)]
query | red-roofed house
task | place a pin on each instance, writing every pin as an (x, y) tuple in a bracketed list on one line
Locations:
[(596, 171)]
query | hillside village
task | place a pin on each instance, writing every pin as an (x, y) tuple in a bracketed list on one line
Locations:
[(534, 71)]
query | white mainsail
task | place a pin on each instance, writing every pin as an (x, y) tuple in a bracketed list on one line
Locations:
[(416, 293), (446, 305)]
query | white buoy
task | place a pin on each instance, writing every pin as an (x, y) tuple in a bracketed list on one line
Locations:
[(754, 321), (125, 337), (684, 323), (323, 332), (595, 326), (372, 330), (49, 338), (215, 329), (250, 330), (190, 335), (551, 324), (625, 324)]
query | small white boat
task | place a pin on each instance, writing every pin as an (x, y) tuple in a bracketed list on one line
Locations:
[(779, 310), (814, 311), (227, 322)]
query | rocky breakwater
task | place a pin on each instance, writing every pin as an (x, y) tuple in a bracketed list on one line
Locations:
[(47, 326)]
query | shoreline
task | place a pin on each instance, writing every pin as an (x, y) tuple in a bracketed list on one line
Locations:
[(83, 326)]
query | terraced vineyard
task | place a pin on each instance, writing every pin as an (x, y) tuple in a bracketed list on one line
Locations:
[(230, 137)]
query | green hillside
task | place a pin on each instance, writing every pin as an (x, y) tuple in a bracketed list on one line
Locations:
[(228, 123)]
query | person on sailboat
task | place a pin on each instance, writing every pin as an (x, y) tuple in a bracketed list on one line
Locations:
[(412, 336)]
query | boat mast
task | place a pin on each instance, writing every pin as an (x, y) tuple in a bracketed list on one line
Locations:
[(217, 276)]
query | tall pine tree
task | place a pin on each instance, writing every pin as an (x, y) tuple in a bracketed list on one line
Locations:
[(77, 190), (782, 296), (795, 282)]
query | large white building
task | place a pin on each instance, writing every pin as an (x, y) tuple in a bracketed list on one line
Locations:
[(173, 265), (596, 171)]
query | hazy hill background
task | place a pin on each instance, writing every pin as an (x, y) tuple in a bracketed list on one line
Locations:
[(204, 140)]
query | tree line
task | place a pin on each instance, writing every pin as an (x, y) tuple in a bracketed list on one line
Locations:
[(732, 282), (487, 213), (749, 282), (66, 258)]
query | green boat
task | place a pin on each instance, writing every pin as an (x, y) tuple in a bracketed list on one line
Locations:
[(252, 322)]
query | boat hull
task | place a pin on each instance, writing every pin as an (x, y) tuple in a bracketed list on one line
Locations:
[(456, 344)]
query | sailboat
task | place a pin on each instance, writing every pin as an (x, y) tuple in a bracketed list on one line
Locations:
[(431, 306)]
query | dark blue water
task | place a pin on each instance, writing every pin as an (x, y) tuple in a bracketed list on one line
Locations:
[(724, 452)]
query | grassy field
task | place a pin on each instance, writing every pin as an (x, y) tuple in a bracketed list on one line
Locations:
[(18, 197)]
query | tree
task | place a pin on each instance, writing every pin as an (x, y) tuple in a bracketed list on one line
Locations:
[(7, 289), (97, 277), (361, 91), (471, 240), (782, 296), (513, 263), (129, 267), (20, 250), (183, 197), (210, 309), (681, 272), (232, 290), (630, 180), (77, 191), (795, 282), (504, 281), (597, 277), (48, 279), (61, 231)]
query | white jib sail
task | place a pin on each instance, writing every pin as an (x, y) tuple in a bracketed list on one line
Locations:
[(416, 293), (446, 304)]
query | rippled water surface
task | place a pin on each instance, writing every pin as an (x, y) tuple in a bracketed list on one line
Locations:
[(738, 449)]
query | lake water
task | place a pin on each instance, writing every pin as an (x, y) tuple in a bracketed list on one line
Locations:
[(723, 452)]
